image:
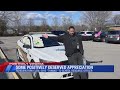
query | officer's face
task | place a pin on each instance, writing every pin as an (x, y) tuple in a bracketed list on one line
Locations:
[(71, 31)]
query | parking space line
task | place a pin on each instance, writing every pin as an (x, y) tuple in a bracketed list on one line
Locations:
[(15, 75), (3, 56)]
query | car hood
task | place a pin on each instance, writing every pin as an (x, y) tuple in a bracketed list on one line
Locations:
[(55, 53)]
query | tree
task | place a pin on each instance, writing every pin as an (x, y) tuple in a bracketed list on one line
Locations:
[(17, 17), (96, 19), (80, 27), (3, 27), (116, 19), (44, 25), (55, 23), (4, 19), (6, 16), (66, 22), (30, 25)]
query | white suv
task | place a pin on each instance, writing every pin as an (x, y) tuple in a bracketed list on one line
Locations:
[(35, 48), (86, 35)]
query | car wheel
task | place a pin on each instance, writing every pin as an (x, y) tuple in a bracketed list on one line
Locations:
[(93, 40), (18, 56), (103, 40), (35, 75), (106, 41)]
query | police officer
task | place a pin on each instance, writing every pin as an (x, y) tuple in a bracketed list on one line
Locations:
[(73, 49)]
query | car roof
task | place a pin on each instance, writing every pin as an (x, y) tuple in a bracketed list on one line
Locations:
[(114, 31), (86, 31), (40, 35), (57, 31)]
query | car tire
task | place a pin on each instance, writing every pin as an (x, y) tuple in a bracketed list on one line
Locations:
[(93, 40), (35, 75), (18, 56), (106, 41), (103, 40)]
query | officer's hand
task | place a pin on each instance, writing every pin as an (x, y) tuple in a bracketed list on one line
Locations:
[(45, 35)]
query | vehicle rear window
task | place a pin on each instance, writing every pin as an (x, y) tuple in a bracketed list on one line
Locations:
[(105, 32), (113, 32), (82, 32), (89, 32)]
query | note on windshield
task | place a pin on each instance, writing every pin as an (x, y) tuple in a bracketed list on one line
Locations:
[(38, 42)]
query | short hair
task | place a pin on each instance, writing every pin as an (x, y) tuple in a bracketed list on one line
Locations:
[(71, 27)]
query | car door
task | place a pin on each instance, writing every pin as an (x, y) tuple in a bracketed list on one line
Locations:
[(24, 51)]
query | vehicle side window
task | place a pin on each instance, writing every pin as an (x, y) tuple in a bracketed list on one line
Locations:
[(26, 41)]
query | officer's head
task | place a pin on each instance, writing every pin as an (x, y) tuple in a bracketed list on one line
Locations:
[(71, 30)]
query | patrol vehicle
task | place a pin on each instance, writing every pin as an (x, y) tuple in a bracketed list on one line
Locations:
[(36, 48)]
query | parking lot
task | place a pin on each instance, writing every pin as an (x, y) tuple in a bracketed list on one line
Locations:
[(109, 53)]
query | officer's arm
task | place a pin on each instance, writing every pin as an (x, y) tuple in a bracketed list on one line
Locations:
[(59, 38)]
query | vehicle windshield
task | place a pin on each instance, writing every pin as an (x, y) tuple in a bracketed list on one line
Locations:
[(58, 32), (113, 32), (45, 42)]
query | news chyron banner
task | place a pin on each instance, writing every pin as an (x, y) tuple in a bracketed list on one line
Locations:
[(53, 67)]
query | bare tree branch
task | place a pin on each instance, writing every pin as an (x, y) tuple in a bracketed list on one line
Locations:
[(116, 19), (96, 19), (66, 22), (56, 23)]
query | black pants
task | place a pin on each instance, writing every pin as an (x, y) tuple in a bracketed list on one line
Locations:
[(76, 59)]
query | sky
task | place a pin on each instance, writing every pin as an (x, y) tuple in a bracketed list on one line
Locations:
[(76, 15), (51, 14)]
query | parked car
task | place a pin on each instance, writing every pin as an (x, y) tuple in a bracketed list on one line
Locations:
[(58, 32), (86, 35), (36, 48), (113, 36), (99, 36)]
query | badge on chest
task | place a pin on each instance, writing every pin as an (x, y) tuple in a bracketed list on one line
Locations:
[(78, 46)]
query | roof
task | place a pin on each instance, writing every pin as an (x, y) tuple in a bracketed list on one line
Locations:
[(86, 31), (40, 35), (113, 26)]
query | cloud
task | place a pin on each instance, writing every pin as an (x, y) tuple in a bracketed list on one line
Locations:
[(47, 12), (34, 16), (64, 16), (115, 12), (50, 15), (46, 15), (71, 12)]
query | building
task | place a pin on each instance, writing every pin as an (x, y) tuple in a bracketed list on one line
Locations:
[(114, 27)]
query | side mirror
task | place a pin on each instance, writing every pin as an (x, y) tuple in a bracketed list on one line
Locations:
[(26, 46)]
